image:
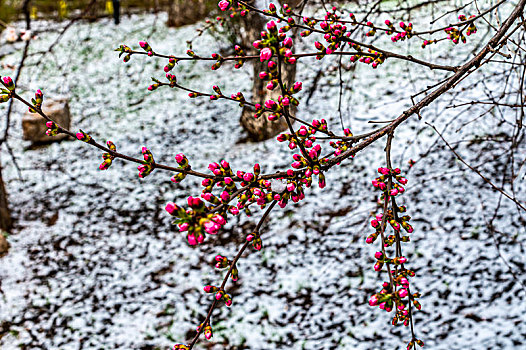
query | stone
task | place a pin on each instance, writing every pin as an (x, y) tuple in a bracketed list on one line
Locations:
[(34, 126)]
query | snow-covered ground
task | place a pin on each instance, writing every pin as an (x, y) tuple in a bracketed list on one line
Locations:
[(95, 263)]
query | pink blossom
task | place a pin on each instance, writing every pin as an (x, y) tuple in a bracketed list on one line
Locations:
[(287, 42), (373, 300), (179, 158)]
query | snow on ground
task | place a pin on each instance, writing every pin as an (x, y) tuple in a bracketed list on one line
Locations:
[(95, 264)]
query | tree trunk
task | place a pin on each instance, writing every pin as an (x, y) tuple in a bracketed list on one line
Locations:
[(261, 128), (183, 12), (5, 215)]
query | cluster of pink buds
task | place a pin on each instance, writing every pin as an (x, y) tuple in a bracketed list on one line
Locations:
[(196, 220), (52, 129), (239, 97), (157, 83), (207, 331), (218, 92), (274, 43), (472, 29), (342, 145), (222, 262), (335, 33), (123, 49), (407, 33), (386, 174), (183, 163), (256, 241), (148, 164), (82, 136), (146, 47), (8, 83), (371, 31), (221, 295), (240, 10), (180, 347), (428, 42), (394, 294), (391, 26), (171, 64), (6, 94), (374, 58), (108, 157), (37, 101), (455, 35), (304, 134)]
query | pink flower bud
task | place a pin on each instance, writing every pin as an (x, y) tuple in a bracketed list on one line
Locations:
[(265, 54), (179, 158), (378, 255), (225, 197), (223, 5), (402, 293), (373, 300), (183, 227), (271, 25), (248, 177), (297, 86), (191, 240), (383, 171)]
